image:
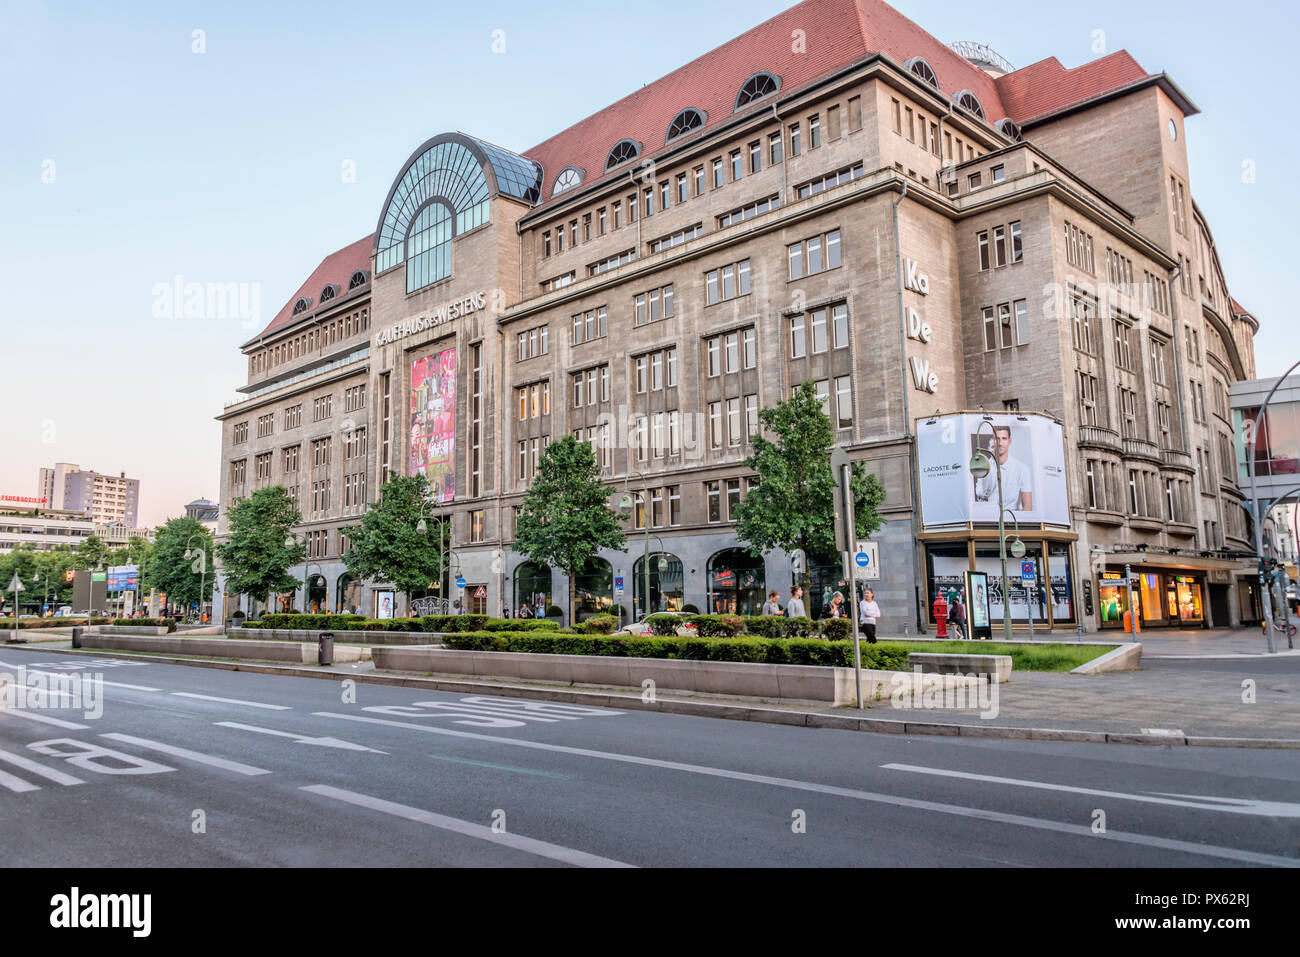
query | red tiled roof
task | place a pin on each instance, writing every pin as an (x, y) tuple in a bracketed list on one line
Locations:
[(1239, 309), (1046, 86), (836, 33), (337, 268)]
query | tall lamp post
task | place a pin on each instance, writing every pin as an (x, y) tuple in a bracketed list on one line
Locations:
[(979, 468), (289, 542), (444, 547), (625, 507), (202, 556), (1267, 587), (1265, 594)]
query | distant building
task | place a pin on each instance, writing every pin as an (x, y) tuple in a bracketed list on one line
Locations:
[(205, 512), (104, 499), (28, 522)]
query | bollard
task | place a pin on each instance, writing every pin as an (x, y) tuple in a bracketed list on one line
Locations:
[(325, 648), (76, 636)]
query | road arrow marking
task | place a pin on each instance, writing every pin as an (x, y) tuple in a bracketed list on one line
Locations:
[(301, 738), (1201, 802)]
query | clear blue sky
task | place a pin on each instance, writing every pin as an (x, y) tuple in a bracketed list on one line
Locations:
[(226, 166)]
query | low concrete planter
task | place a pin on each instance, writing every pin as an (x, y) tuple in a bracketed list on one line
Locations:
[(803, 682), (131, 629), (297, 653), (341, 636), (1126, 657), (999, 666)]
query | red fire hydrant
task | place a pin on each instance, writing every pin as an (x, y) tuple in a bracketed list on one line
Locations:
[(940, 609)]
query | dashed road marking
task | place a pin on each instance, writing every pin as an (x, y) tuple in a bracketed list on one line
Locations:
[(43, 719), (246, 704), (195, 756), (482, 832)]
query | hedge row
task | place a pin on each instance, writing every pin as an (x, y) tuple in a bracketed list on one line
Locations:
[(429, 623), (7, 624), (762, 626), (773, 651), (168, 623)]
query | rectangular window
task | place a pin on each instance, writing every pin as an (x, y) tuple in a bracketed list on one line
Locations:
[(982, 243), (832, 123), (663, 194), (794, 139), (715, 425), (999, 173), (798, 346), (774, 149), (796, 260), (999, 246), (733, 498), (657, 371), (817, 324), (727, 283), (843, 403), (733, 422), (714, 347), (1022, 322), (751, 416), (648, 200), (713, 495), (749, 346), (990, 330), (735, 165), (1017, 244), (973, 182), (671, 363), (755, 156), (814, 132), (731, 353), (855, 113), (681, 187), (1004, 322), (674, 505), (642, 378), (699, 180), (586, 227), (1123, 345), (717, 173)]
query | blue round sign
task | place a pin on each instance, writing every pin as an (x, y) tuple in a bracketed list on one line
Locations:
[(461, 583), (863, 559)]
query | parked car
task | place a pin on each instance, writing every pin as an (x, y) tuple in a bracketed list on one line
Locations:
[(642, 627)]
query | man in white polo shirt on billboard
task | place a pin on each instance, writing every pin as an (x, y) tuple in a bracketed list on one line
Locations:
[(1017, 489)]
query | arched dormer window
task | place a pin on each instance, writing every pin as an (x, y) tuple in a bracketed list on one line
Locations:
[(685, 121), (918, 67), (358, 280), (1010, 129), (328, 292), (969, 102), (623, 151), (756, 87), (568, 178), (301, 305)]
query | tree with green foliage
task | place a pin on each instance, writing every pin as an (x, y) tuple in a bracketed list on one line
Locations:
[(387, 545), (255, 558), (565, 517), (180, 563), (793, 505), (92, 552)]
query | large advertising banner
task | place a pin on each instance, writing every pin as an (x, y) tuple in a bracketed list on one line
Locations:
[(433, 422), (1029, 448)]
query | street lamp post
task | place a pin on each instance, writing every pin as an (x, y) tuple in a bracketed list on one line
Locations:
[(444, 547), (202, 554), (1265, 595), (1267, 588), (625, 508), (289, 542), (979, 468)]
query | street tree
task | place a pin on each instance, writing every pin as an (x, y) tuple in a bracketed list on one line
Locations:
[(565, 518), (182, 579), (387, 546), (92, 552), (256, 559), (793, 504)]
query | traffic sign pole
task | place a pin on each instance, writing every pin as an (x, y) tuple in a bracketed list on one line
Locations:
[(1132, 612), (1029, 578), (16, 587), (845, 535)]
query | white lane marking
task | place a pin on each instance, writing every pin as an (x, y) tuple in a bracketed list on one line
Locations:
[(16, 784), (27, 764), (300, 738), (119, 684), (1206, 803), (1079, 830), (246, 704), (195, 756), (482, 832), (1167, 732), (43, 719)]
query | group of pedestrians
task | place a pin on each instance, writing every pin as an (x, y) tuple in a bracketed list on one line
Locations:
[(868, 610)]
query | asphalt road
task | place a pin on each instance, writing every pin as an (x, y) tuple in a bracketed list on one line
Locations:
[(295, 771)]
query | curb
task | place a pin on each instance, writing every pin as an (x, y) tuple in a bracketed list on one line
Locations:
[(704, 709)]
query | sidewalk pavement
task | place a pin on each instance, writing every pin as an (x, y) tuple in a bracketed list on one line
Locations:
[(1242, 706)]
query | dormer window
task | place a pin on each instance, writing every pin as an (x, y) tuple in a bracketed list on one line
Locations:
[(1010, 129), (685, 121), (300, 306), (358, 280), (918, 67), (969, 102), (569, 177), (327, 293), (623, 151), (756, 87)]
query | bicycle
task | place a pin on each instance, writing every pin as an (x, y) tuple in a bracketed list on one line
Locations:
[(1287, 629)]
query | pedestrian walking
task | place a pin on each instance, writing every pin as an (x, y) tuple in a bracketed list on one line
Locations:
[(525, 611), (794, 607), (772, 606), (957, 617), (868, 614)]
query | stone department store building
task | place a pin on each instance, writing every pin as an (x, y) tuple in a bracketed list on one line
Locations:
[(834, 195)]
